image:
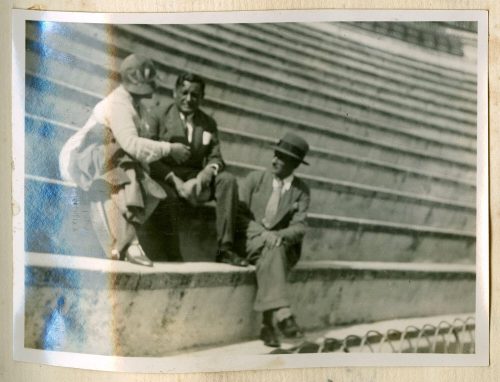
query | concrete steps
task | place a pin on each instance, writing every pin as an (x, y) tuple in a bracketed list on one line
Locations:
[(236, 91), (332, 43), (380, 148), (392, 178), (368, 74), (187, 296), (379, 190), (432, 36), (239, 145), (330, 237), (269, 61), (280, 58), (327, 34), (369, 111), (363, 201)]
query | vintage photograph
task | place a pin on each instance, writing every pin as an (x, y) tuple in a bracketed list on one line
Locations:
[(215, 192)]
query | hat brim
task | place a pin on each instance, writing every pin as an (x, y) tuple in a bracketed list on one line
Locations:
[(289, 154), (139, 89)]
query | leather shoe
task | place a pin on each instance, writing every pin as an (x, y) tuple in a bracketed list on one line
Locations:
[(269, 336), (289, 328), (136, 255), (232, 258)]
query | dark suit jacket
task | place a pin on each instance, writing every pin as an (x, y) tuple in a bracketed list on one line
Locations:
[(171, 129), (290, 221)]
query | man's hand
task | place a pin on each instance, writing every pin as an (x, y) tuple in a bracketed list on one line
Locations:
[(179, 152), (203, 179), (271, 239)]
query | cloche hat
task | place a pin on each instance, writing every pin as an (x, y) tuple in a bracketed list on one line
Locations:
[(138, 75)]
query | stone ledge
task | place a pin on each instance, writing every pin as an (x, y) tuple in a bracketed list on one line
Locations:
[(43, 269), (115, 308)]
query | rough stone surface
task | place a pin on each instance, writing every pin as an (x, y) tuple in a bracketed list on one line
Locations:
[(114, 308)]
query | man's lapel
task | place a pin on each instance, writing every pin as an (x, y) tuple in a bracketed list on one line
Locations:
[(175, 126), (265, 189)]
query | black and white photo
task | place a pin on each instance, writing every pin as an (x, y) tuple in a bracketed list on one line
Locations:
[(250, 190)]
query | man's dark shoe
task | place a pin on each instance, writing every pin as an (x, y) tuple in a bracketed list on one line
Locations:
[(289, 328), (307, 347), (232, 258), (269, 336)]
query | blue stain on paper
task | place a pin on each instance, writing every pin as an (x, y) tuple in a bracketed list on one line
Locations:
[(56, 215), (54, 333)]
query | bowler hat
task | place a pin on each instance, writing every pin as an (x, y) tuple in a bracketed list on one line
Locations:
[(293, 146), (138, 75)]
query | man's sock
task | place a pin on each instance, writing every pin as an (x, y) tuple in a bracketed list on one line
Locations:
[(226, 247), (267, 317)]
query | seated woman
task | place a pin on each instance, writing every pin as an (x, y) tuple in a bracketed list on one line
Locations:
[(109, 159)]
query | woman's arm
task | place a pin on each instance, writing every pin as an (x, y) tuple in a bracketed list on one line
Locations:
[(120, 118)]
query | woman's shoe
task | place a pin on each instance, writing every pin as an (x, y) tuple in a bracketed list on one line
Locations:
[(136, 255)]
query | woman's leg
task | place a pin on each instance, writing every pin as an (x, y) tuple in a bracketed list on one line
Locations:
[(113, 231)]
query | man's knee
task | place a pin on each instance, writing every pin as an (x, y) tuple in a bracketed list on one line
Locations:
[(225, 179), (274, 255)]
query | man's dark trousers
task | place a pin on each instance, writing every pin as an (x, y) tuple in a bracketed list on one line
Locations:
[(160, 234)]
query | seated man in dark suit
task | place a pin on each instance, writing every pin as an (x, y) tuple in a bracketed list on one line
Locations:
[(274, 204), (198, 179)]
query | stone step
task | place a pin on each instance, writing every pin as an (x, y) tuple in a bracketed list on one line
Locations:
[(181, 298), (57, 221), (284, 103), (392, 150), (238, 145)]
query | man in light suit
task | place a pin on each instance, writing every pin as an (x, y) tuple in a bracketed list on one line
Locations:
[(274, 205), (198, 179)]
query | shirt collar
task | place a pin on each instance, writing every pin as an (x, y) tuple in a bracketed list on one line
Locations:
[(186, 118), (287, 183)]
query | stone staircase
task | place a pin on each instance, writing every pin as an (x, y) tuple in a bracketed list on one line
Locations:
[(393, 138)]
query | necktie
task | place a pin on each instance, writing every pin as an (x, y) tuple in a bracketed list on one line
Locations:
[(188, 126), (273, 203)]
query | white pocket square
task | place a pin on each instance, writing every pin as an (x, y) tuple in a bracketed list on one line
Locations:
[(206, 138)]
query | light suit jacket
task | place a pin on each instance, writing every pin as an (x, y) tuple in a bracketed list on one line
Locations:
[(290, 220)]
